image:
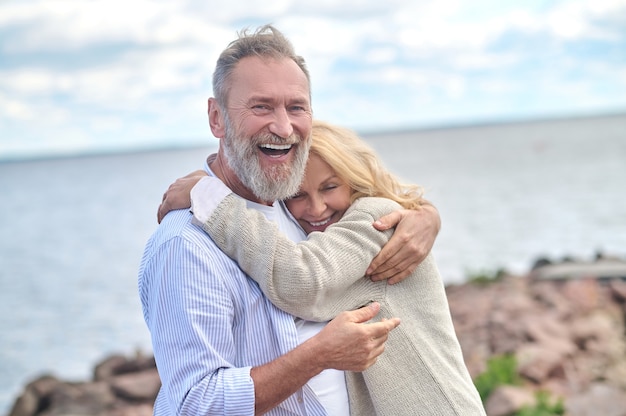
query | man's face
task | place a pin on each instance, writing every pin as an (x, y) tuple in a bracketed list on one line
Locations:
[(268, 126)]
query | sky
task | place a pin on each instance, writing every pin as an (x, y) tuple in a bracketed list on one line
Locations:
[(85, 76)]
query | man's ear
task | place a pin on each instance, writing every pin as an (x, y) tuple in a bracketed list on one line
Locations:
[(216, 119)]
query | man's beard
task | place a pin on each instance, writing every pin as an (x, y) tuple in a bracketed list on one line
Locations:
[(276, 183)]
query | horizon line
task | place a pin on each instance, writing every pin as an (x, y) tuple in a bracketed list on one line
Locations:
[(195, 143)]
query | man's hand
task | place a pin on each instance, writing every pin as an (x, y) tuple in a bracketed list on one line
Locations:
[(348, 343), (177, 195), (409, 245)]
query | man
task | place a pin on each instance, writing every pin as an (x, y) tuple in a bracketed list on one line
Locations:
[(221, 347)]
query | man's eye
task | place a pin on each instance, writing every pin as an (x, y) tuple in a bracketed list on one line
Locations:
[(299, 109), (297, 196)]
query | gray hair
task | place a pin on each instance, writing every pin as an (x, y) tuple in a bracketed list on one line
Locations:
[(265, 42)]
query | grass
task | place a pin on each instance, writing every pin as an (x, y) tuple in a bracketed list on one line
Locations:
[(485, 277), (502, 370)]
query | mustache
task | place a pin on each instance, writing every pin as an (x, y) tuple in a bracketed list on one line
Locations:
[(271, 138)]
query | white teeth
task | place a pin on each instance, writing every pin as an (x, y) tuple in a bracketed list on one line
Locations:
[(318, 224), (276, 146)]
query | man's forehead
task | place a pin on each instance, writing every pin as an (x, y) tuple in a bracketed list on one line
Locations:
[(260, 77)]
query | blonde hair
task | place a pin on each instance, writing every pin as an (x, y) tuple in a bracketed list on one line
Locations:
[(358, 165)]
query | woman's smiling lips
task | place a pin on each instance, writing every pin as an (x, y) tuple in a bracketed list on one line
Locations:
[(322, 225), (319, 223)]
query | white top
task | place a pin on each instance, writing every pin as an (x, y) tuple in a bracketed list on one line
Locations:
[(329, 385)]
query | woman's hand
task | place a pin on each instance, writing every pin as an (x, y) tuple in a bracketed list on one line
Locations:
[(409, 245), (177, 195)]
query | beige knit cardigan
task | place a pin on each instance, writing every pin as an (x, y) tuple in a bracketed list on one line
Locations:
[(422, 371)]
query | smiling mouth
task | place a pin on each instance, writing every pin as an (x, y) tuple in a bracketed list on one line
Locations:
[(320, 223), (275, 149)]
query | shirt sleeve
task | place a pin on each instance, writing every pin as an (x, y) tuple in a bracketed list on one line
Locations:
[(191, 321), (315, 279)]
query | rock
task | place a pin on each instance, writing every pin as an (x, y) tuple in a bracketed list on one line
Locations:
[(546, 328), (618, 289), (537, 362), (119, 364), (583, 294), (80, 399), (599, 399), (121, 387), (567, 333), (506, 400), (140, 386), (35, 397), (550, 299)]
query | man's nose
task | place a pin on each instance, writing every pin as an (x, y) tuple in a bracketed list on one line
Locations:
[(281, 124)]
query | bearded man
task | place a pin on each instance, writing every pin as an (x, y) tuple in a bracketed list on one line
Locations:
[(220, 345)]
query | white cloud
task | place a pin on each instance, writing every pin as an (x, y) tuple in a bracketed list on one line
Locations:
[(58, 25), (584, 19), (381, 55), (140, 70), (16, 109)]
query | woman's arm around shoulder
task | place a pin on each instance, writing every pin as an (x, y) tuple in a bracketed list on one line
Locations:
[(311, 279)]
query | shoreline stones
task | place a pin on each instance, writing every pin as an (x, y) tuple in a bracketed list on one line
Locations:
[(568, 336)]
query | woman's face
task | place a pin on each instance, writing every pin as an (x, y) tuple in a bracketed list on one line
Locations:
[(323, 197)]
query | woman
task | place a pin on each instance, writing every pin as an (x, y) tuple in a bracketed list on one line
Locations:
[(345, 189)]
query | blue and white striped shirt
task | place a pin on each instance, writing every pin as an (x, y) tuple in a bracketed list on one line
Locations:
[(210, 324)]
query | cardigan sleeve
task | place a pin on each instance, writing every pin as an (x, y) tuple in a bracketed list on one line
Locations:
[(315, 279)]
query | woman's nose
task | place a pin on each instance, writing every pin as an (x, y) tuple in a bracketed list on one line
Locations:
[(317, 206)]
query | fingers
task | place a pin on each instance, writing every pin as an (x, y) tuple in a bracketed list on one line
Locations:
[(196, 174), (364, 313), (397, 268), (388, 260), (392, 276), (166, 201), (398, 255), (379, 334), (375, 336), (397, 243), (388, 221), (351, 341), (397, 278), (375, 330), (380, 330), (412, 240), (177, 194), (164, 208)]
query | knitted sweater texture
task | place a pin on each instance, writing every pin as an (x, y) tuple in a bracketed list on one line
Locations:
[(422, 371)]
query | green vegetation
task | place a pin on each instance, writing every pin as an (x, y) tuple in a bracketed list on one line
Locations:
[(502, 370), (485, 277), (543, 407)]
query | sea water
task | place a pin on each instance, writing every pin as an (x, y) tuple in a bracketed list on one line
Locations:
[(72, 230)]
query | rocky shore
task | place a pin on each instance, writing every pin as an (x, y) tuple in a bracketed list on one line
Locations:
[(563, 323), (566, 332)]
